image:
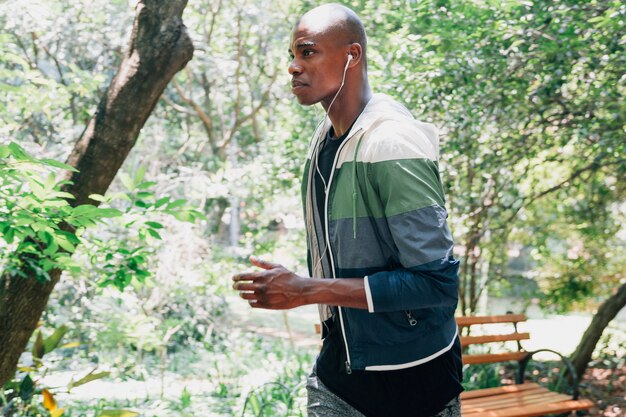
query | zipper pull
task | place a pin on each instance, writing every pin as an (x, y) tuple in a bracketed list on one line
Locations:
[(348, 368), (410, 318)]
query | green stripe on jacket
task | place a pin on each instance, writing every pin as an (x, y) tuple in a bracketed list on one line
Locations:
[(413, 183)]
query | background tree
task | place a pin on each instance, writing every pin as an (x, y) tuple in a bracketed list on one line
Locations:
[(226, 99), (158, 40)]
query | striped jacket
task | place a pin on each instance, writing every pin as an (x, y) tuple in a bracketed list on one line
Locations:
[(386, 222)]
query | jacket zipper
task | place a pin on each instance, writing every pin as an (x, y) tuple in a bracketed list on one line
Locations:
[(412, 321), (330, 250)]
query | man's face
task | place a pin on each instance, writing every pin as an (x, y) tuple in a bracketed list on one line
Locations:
[(317, 65)]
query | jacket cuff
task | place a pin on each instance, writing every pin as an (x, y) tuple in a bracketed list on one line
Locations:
[(368, 295)]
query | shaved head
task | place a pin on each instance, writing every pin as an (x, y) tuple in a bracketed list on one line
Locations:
[(328, 61), (337, 20)]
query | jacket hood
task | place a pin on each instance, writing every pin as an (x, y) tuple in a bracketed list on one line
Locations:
[(381, 108)]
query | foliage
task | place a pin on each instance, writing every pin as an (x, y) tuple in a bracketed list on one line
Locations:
[(39, 226), (218, 384), (578, 245), (124, 254), (482, 376), (26, 395), (272, 399), (530, 99), (612, 349), (41, 229), (18, 398), (55, 61)]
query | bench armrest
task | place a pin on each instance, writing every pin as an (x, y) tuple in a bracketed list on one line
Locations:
[(570, 368)]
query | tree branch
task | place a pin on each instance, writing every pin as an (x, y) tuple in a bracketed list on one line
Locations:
[(206, 120)]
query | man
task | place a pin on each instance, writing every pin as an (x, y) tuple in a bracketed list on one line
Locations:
[(380, 251)]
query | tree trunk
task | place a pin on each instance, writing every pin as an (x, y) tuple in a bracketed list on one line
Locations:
[(607, 312), (159, 47)]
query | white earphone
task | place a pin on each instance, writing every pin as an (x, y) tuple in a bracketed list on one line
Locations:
[(343, 80)]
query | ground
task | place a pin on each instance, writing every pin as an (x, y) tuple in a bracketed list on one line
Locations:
[(607, 388)]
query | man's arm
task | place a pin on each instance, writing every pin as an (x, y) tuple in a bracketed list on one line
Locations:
[(277, 288)]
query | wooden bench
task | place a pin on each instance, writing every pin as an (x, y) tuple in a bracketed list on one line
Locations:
[(521, 399)]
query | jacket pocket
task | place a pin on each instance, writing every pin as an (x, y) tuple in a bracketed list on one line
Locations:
[(387, 328)]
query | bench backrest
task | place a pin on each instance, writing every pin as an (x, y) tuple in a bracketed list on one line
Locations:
[(493, 331)]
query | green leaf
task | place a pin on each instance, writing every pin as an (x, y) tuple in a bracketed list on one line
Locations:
[(145, 194), (63, 194), (62, 242), (71, 237), (37, 188), (50, 181), (121, 196), (91, 376), (255, 404), (27, 389), (127, 182), (4, 151), (81, 222), (38, 348), (51, 249), (97, 197), (84, 210), (176, 204), (184, 216), (142, 274), (9, 235), (109, 212), (51, 342), (161, 201), (117, 413), (55, 203), (19, 153), (154, 225), (141, 171), (146, 184), (21, 219), (154, 234), (57, 164)]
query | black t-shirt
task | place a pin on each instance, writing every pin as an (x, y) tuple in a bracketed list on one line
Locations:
[(419, 391), (325, 159)]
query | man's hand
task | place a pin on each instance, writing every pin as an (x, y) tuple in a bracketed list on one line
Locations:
[(273, 288)]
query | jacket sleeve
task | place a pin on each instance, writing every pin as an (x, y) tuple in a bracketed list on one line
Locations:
[(407, 182)]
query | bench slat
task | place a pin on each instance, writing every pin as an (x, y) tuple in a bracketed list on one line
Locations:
[(504, 318), (474, 340), (493, 357), (534, 410), (520, 399), (488, 392)]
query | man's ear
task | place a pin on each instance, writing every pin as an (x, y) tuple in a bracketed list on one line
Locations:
[(355, 54)]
